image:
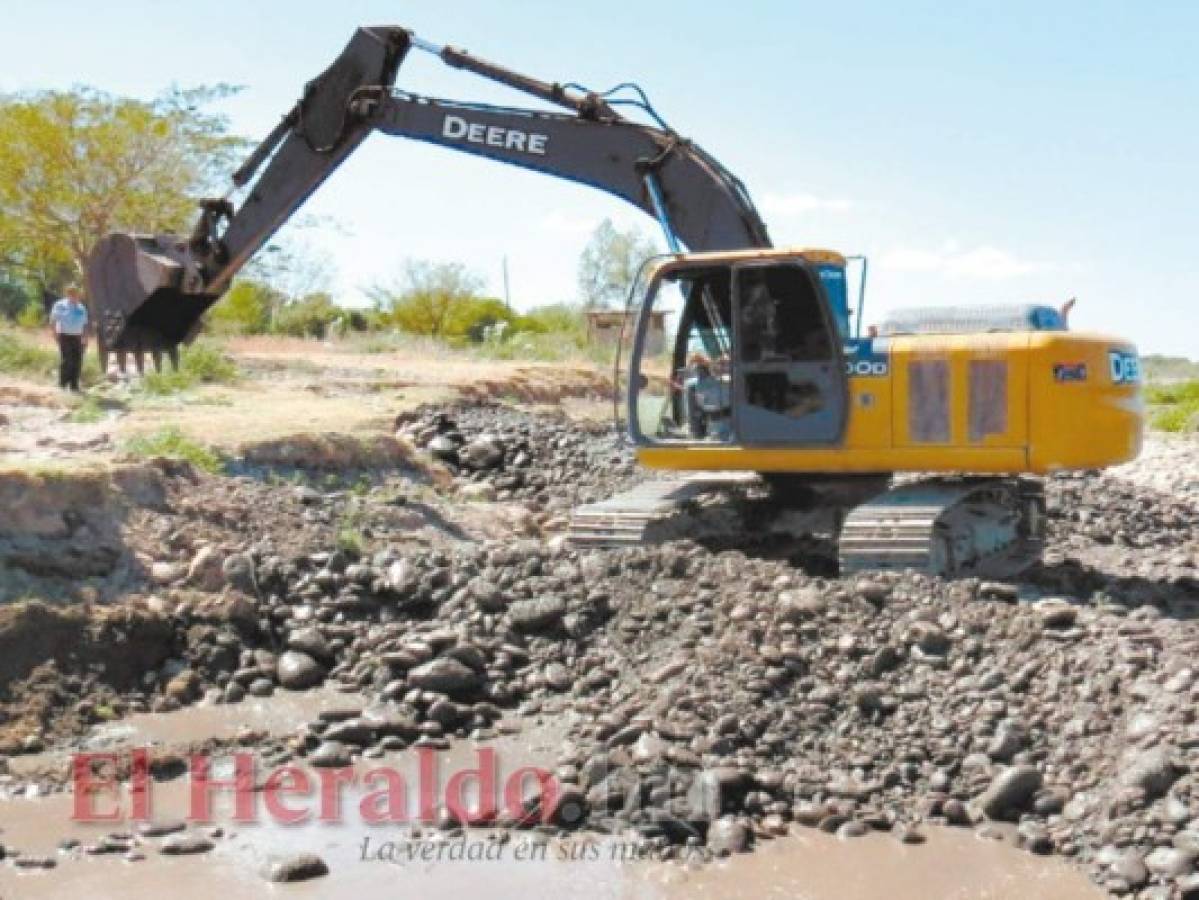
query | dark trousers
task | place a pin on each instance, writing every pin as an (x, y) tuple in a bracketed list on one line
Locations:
[(70, 351)]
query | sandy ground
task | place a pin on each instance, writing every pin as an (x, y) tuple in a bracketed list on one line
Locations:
[(288, 386)]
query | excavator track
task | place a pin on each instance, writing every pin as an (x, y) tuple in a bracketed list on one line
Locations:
[(991, 527), (622, 520)]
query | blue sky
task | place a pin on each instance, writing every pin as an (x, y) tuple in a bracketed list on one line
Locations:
[(977, 152)]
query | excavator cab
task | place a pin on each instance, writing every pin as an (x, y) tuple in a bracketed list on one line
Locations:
[(752, 354)]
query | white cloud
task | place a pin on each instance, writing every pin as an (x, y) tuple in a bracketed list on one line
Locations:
[(573, 223), (983, 262), (567, 223), (799, 203)]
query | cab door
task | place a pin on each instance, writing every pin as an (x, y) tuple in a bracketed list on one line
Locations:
[(790, 381)]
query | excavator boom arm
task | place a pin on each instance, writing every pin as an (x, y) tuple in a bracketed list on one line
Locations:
[(703, 204), (149, 293)]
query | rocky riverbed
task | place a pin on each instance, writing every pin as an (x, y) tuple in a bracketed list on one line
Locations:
[(711, 700)]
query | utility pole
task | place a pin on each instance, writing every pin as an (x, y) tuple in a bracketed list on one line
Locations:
[(507, 295)]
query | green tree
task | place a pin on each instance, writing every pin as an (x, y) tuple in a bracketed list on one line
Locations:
[(429, 297), (554, 318), (473, 317), (309, 316), (609, 264), (248, 308), (76, 165)]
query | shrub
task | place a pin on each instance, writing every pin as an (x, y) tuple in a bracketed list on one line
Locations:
[(172, 443), (1175, 406), (310, 316), (14, 299), (429, 299), (199, 363), (1179, 392), (557, 318), (32, 315), (246, 309), (86, 412), (19, 356), (471, 318)]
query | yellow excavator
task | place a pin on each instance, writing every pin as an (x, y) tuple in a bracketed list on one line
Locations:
[(920, 433)]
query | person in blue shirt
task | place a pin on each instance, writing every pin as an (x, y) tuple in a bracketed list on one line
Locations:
[(68, 324)]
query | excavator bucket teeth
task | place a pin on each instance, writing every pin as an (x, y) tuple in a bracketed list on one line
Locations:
[(139, 300)]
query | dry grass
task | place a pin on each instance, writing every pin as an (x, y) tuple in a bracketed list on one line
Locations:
[(23, 393), (257, 411), (418, 363), (332, 452)]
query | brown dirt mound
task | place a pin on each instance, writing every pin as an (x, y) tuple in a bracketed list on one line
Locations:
[(332, 452), (49, 656), (539, 385), (66, 525)]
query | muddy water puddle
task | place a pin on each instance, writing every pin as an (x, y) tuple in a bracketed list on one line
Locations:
[(273, 716), (807, 865)]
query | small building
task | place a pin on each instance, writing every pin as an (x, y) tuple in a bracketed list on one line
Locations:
[(604, 327)]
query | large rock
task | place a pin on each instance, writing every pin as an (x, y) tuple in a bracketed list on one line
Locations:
[(441, 447), (931, 639), (445, 675), (184, 687), (239, 572), (206, 572), (355, 731), (301, 867), (704, 797), (1129, 866), (1153, 771), (537, 615), (727, 836), (331, 755), (487, 595), (569, 807), (801, 606), (1010, 793), (185, 844), (484, 452), (310, 641), (1170, 862), (298, 671), (164, 572)]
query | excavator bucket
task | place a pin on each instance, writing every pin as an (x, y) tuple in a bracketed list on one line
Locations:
[(138, 289)]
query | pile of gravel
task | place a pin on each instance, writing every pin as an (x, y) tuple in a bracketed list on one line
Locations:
[(718, 698), (1100, 509), (548, 462)]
